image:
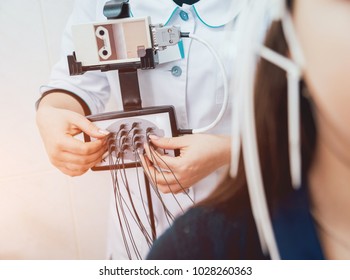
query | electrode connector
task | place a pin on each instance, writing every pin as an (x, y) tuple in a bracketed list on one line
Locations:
[(164, 36)]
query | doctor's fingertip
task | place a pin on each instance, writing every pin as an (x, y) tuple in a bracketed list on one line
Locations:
[(153, 137), (103, 132)]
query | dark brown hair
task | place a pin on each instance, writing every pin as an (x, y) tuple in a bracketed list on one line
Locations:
[(272, 130)]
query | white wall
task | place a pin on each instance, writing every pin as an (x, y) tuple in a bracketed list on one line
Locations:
[(43, 213)]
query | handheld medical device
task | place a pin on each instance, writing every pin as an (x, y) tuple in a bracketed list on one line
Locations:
[(125, 44), (128, 44), (130, 130)]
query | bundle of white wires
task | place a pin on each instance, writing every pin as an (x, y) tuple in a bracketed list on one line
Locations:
[(252, 26)]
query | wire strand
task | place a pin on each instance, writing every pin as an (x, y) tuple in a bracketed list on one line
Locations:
[(225, 84)]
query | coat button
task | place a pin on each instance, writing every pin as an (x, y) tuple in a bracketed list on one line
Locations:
[(184, 16), (176, 71)]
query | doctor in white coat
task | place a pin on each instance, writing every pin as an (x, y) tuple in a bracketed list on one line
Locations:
[(192, 83)]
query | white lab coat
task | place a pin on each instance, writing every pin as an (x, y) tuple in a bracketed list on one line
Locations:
[(197, 94)]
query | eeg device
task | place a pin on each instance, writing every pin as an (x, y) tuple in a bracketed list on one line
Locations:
[(130, 130), (125, 44), (128, 44)]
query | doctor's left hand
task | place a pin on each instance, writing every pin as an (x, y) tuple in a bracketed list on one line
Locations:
[(59, 118), (200, 155)]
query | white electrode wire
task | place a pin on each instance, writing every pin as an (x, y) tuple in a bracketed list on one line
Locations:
[(252, 22), (254, 176), (294, 73), (232, 47), (278, 59), (225, 84), (231, 50), (294, 128), (249, 160), (293, 78), (257, 20), (236, 108), (292, 40), (235, 133)]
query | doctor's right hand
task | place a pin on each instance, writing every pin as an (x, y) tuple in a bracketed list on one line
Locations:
[(58, 127)]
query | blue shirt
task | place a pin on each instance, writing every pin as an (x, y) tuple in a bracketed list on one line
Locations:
[(228, 231), (295, 229)]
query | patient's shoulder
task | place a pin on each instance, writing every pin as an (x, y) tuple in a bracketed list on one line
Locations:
[(210, 232)]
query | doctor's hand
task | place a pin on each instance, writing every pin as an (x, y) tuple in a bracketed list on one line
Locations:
[(72, 156), (200, 155)]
